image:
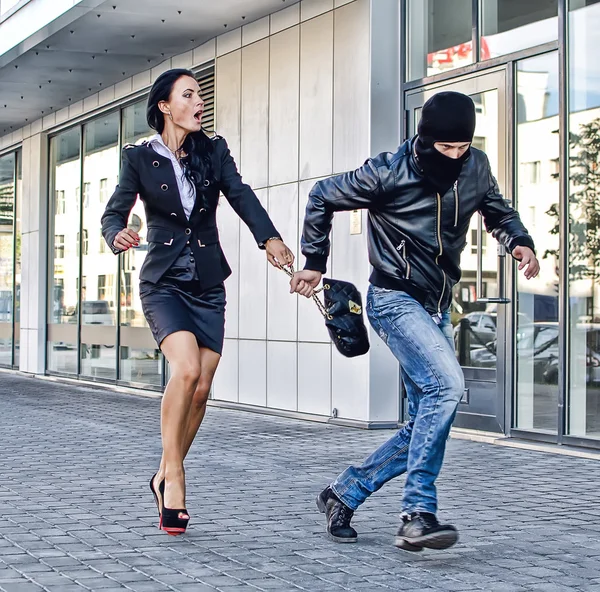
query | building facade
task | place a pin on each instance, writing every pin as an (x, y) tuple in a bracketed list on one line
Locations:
[(301, 92)]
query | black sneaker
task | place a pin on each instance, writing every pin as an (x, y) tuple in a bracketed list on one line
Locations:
[(338, 517), (422, 530)]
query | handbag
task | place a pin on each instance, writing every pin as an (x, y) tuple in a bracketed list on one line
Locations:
[(343, 314)]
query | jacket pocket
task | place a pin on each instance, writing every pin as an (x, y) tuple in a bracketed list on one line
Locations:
[(160, 235), (401, 248), (210, 236)]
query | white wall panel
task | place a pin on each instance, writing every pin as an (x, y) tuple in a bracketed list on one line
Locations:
[(255, 114), (311, 326), (228, 223), (316, 96), (228, 99), (229, 41), (282, 307), (350, 257), (284, 106), (351, 86), (205, 52), (282, 375), (288, 17), (225, 385), (350, 386), (253, 372), (253, 283), (255, 31), (312, 8), (183, 60), (314, 378)]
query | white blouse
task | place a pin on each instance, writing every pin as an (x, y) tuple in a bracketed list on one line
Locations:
[(187, 190)]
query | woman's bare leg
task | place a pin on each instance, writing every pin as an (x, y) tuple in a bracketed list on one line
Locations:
[(182, 352), (209, 360)]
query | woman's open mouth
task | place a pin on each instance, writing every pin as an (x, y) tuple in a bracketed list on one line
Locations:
[(198, 115)]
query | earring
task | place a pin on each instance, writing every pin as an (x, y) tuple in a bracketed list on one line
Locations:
[(170, 116)]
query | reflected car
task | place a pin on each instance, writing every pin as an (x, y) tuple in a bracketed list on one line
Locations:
[(481, 327), (537, 343)]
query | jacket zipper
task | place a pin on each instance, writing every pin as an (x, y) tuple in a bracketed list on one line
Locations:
[(439, 229), (402, 247), (455, 203)]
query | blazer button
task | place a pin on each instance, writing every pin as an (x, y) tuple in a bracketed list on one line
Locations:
[(156, 164), (206, 182), (164, 186), (188, 231)]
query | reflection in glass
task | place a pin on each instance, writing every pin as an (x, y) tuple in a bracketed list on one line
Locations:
[(584, 218), (17, 308), (475, 323), (64, 251), (439, 36), (512, 25), (537, 197), (140, 360), (7, 217), (99, 267)]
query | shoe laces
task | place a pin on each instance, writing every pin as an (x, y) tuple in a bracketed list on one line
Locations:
[(426, 518), (341, 515)]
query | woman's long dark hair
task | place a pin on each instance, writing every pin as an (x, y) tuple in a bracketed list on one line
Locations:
[(197, 146)]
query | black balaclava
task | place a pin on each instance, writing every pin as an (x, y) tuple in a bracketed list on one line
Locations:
[(446, 117)]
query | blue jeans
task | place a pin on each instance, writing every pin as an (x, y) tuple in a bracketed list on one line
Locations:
[(434, 385)]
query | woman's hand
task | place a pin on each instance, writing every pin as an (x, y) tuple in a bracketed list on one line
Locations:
[(126, 239), (278, 254)]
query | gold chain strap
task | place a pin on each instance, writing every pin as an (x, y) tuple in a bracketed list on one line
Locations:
[(289, 270)]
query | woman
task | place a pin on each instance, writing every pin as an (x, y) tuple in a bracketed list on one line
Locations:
[(178, 174)]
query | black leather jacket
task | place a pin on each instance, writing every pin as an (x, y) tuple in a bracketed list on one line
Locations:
[(151, 175), (416, 236)]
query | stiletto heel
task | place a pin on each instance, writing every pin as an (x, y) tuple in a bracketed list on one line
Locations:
[(158, 500), (172, 522)]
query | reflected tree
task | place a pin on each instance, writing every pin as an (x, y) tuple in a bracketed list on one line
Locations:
[(584, 205)]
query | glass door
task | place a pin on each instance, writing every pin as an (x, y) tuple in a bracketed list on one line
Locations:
[(480, 309)]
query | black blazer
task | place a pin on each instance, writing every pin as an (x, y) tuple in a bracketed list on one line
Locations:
[(151, 175)]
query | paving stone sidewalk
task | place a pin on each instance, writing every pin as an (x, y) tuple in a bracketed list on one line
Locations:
[(77, 513)]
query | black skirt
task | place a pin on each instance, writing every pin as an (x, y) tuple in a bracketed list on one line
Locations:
[(173, 305)]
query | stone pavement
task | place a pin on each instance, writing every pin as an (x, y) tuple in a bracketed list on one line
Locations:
[(77, 514)]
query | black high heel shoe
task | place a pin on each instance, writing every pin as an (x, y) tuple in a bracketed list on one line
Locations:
[(170, 519), (172, 523), (161, 488)]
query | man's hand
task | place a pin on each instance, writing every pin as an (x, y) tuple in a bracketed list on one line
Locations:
[(126, 238), (278, 254), (528, 260), (304, 282)]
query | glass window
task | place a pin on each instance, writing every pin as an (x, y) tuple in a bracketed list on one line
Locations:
[(537, 151), (99, 298), (439, 36), (512, 25), (17, 309), (584, 216), (64, 266), (475, 322), (140, 360), (7, 220)]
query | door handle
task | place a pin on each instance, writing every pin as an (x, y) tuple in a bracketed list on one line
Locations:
[(501, 298)]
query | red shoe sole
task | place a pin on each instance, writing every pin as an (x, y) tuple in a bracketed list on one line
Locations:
[(174, 531)]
